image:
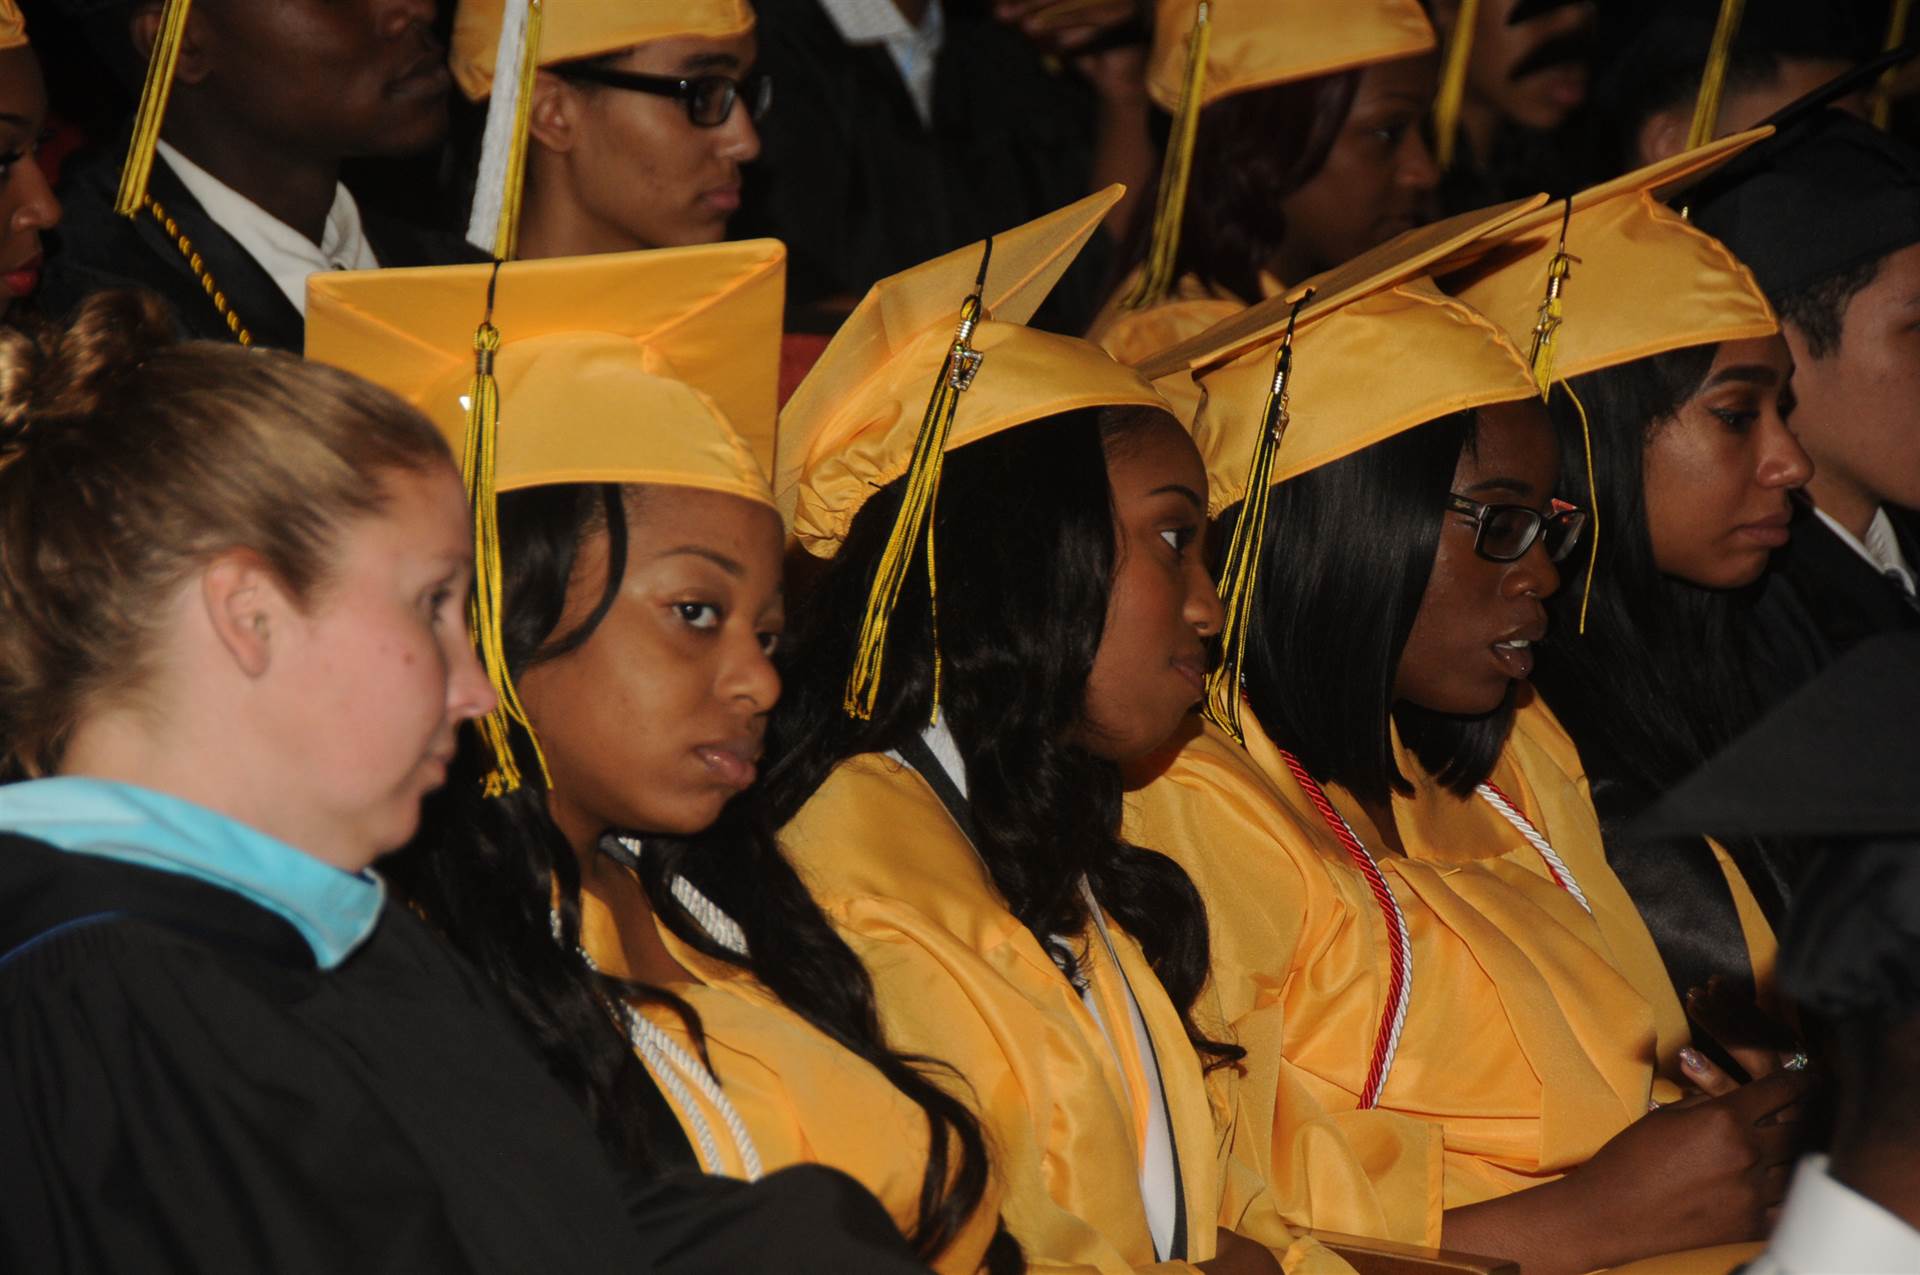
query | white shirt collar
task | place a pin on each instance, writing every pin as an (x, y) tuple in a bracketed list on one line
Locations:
[(1881, 547), (914, 49), (1827, 1228), (283, 252)]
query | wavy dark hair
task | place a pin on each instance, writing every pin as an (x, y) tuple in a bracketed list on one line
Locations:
[(1027, 554), (485, 870), (1251, 151), (1349, 550)]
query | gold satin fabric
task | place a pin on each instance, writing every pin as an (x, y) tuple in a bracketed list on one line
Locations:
[(1133, 336)]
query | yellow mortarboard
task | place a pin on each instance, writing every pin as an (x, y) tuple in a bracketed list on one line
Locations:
[(643, 367), (573, 29), (13, 27), (1344, 361), (1205, 50), (1610, 276), (932, 359)]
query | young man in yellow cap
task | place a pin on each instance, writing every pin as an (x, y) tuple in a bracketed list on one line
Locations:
[(27, 206), (245, 123)]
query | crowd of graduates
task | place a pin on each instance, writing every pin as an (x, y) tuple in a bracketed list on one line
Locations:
[(1229, 636)]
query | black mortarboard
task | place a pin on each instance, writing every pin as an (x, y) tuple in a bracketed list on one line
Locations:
[(1825, 195), (1527, 10)]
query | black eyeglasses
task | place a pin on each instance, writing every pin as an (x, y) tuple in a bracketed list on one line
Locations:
[(1504, 533), (708, 99)]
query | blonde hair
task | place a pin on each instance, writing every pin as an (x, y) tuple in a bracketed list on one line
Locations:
[(128, 460)]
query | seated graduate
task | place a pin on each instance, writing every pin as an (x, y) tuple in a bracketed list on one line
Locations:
[(948, 780), (642, 115), (1439, 1047), (222, 1047), (1827, 214), (27, 206), (639, 600), (1296, 145), (230, 192)]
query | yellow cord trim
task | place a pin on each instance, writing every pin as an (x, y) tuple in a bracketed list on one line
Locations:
[(195, 263), (507, 237), (1453, 84), (1713, 81), (132, 196), (1593, 507), (1896, 36), (1239, 579), (915, 518), (1176, 171), (484, 614)]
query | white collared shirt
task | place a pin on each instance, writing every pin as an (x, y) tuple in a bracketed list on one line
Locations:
[(1881, 548), (282, 251), (914, 49), (1827, 1228)]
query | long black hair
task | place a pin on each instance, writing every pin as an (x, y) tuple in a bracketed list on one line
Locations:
[(1349, 549), (1026, 543), (1251, 151), (486, 871)]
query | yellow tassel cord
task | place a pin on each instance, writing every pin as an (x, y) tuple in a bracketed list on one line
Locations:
[(1453, 84), (1544, 356), (1239, 579), (1176, 171), (132, 196), (507, 238), (477, 468), (1713, 81), (916, 515), (1896, 36)]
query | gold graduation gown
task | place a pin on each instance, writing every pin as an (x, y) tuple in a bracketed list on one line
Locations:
[(959, 978), (803, 1097), (1523, 1050), (1191, 308)]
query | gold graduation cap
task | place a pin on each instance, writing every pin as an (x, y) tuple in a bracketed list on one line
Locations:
[(1296, 382), (13, 27), (1205, 50), (644, 367), (932, 359), (574, 29)]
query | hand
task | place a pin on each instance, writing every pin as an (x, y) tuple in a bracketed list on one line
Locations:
[(1727, 1012), (1237, 1255), (1060, 27), (1702, 1171)]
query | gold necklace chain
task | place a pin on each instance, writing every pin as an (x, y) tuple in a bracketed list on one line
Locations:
[(200, 271)]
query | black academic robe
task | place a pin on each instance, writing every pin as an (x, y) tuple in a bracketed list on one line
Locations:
[(95, 248), (859, 188), (181, 1090)]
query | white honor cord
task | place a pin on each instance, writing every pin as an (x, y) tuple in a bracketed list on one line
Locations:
[(720, 927), (1562, 874)]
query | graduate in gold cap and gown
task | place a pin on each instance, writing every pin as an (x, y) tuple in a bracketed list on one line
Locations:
[(630, 601), (1440, 1045), (1011, 601), (27, 206), (1296, 144)]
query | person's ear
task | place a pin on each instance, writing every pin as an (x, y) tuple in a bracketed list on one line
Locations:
[(196, 61), (246, 608), (1662, 136), (552, 115)]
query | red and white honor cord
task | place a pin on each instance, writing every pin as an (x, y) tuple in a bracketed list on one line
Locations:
[(1556, 866), (1393, 1014)]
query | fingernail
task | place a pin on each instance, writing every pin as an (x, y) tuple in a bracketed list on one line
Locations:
[(1692, 1061)]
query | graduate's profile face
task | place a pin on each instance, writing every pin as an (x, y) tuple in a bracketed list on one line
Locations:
[(1532, 72), (1718, 474), (655, 722), (375, 674), (1472, 637), (1151, 665), (1377, 175), (639, 172), (27, 205), (1856, 402)]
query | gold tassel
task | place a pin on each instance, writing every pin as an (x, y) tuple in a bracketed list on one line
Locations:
[(507, 237), (1453, 84), (477, 468), (1713, 80), (915, 518), (1896, 36), (1544, 356), (147, 118), (1176, 171), (1239, 579)]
